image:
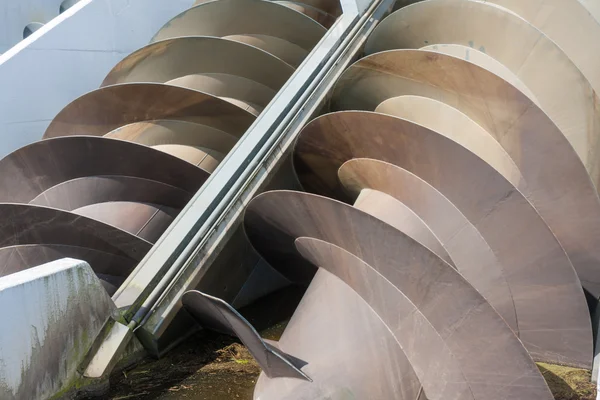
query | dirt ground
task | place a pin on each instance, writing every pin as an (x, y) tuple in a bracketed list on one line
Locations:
[(214, 367), (568, 383), (209, 366), (206, 366)]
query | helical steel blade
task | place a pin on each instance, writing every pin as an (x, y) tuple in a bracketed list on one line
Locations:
[(536, 146), (131, 154), (275, 28), (454, 219), (409, 287)]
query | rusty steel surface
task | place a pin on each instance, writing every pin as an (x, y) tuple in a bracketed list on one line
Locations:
[(234, 70), (386, 208), (33, 169), (322, 17), (160, 132), (147, 221), (112, 267), (452, 220), (98, 189), (376, 368), (106, 109), (330, 7), (173, 58), (569, 101), (215, 314), (25, 224), (534, 143), (131, 154), (472, 200), (472, 255), (447, 343), (556, 19), (273, 27), (550, 328)]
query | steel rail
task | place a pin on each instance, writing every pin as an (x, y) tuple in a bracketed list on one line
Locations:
[(192, 229)]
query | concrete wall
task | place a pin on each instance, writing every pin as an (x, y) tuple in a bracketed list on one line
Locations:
[(50, 316), (15, 15), (68, 57)]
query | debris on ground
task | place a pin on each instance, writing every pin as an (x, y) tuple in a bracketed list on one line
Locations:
[(568, 383)]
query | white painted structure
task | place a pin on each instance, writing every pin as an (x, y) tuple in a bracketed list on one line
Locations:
[(50, 315), (15, 16), (67, 57)]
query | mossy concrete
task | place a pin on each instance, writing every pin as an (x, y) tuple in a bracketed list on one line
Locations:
[(50, 317)]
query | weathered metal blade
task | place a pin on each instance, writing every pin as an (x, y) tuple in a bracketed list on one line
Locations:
[(393, 212), (33, 169), (351, 352), (233, 70), (537, 147), (320, 16), (151, 133), (28, 224), (274, 222), (20, 257), (562, 91), (289, 52), (225, 18), (144, 220), (452, 123), (106, 109), (554, 328), (215, 314), (447, 344), (472, 255), (332, 7), (173, 58), (566, 22), (99, 189)]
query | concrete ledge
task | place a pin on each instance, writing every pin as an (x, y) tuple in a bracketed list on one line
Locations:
[(49, 318)]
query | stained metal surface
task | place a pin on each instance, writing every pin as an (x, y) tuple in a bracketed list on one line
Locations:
[(331, 7), (234, 70), (478, 173), (386, 208), (215, 314), (472, 255), (33, 169), (157, 132), (104, 110), (438, 339), (244, 171), (169, 114), (275, 220), (568, 23), (20, 257), (569, 101), (471, 204), (511, 226), (99, 189), (527, 134), (173, 58), (147, 221), (25, 224), (253, 18), (457, 126), (323, 18), (325, 337)]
